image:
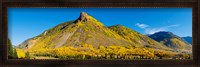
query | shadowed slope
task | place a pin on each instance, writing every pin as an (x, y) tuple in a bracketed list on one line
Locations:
[(171, 40)]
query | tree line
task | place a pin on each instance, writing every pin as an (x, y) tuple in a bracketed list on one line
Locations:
[(86, 51)]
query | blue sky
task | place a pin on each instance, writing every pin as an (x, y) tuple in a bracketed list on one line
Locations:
[(26, 23)]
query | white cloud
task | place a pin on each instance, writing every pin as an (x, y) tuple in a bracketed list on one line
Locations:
[(152, 30), (143, 26)]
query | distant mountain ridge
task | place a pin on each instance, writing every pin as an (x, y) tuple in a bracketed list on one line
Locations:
[(171, 40), (188, 39)]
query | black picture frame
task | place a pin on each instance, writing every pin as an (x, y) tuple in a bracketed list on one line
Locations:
[(194, 4)]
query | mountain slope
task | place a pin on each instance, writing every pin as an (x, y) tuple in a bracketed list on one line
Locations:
[(84, 30), (171, 40), (136, 38), (88, 30)]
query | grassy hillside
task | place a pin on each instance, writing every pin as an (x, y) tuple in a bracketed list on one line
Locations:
[(137, 38)]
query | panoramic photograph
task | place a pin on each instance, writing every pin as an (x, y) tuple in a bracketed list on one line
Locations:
[(100, 33)]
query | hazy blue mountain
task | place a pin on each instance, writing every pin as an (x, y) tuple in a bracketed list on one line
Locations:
[(188, 39)]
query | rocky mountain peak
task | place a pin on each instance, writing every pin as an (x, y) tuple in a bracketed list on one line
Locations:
[(83, 17), (83, 14)]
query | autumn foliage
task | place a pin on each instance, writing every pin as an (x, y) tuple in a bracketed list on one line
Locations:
[(86, 51), (20, 53)]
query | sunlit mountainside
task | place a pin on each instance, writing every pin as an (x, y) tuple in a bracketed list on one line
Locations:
[(88, 38), (136, 38)]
